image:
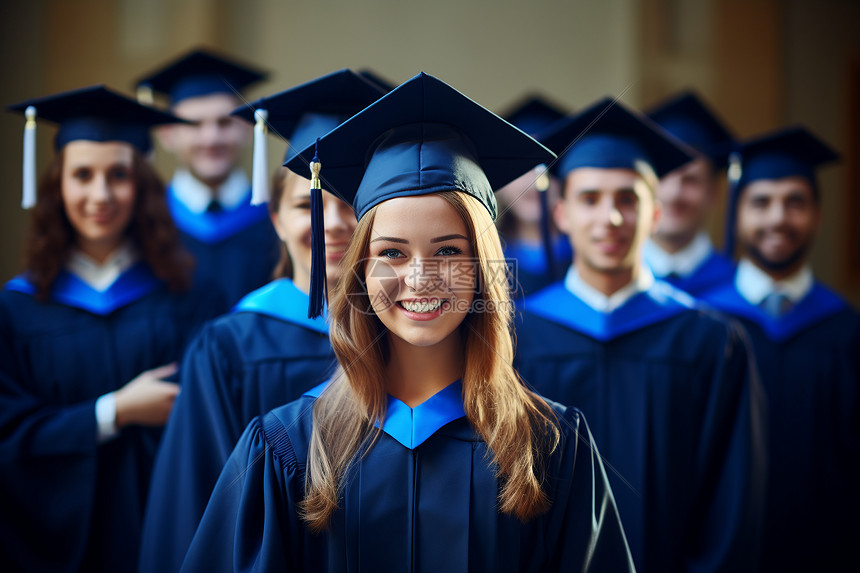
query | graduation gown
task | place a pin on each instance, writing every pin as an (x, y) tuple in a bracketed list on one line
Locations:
[(676, 409), (424, 498), (235, 249), (68, 502), (713, 271), (529, 266), (809, 361), (263, 355)]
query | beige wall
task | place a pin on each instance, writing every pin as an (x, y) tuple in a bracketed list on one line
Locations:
[(760, 62)]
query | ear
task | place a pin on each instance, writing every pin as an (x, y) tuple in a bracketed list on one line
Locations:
[(559, 215), (166, 137), (658, 212)]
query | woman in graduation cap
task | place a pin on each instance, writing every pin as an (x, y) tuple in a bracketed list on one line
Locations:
[(425, 451), (87, 336), (267, 352)]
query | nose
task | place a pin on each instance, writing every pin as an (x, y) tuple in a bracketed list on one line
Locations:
[(336, 216), (610, 213), (670, 188), (776, 213), (422, 275), (101, 190)]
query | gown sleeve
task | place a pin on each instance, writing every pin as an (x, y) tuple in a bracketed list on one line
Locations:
[(251, 522), (731, 464), (202, 430), (584, 530)]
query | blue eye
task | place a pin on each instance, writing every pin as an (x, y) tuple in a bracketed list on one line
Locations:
[(390, 254), (449, 251)]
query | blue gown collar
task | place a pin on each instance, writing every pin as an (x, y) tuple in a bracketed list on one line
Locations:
[(212, 228), (132, 285), (819, 304), (283, 300), (660, 302), (413, 426), (712, 271)]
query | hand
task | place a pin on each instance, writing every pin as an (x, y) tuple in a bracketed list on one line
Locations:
[(147, 400)]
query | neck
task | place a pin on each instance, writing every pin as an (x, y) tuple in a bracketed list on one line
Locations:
[(607, 283), (98, 251), (673, 243), (415, 373), (527, 232)]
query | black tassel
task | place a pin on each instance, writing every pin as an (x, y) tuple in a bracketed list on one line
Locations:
[(318, 289)]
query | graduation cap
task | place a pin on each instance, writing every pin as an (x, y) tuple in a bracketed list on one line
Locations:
[(199, 73), (689, 119), (302, 114), (375, 78), (533, 114), (93, 113), (608, 135), (423, 137), (789, 152)]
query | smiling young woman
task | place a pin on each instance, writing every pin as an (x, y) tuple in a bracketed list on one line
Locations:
[(425, 451), (89, 334)]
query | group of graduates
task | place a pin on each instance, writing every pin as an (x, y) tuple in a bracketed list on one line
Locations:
[(324, 370)]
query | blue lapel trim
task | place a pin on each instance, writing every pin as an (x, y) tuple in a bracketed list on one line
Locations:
[(820, 303), (282, 299), (69, 290), (211, 228), (713, 271), (661, 302), (413, 426)]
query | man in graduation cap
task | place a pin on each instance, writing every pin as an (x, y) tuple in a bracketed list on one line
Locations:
[(538, 254), (807, 346), (680, 251), (667, 388), (210, 195)]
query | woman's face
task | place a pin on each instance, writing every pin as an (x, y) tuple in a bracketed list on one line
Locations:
[(98, 192), (420, 270), (292, 222)]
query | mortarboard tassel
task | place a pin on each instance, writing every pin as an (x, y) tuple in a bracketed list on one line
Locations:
[(144, 94), (259, 174), (734, 177), (542, 186), (318, 288), (29, 196)]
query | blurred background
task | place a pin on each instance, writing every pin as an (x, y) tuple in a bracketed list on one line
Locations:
[(761, 64)]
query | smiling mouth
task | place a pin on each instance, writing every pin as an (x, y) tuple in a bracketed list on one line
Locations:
[(421, 306)]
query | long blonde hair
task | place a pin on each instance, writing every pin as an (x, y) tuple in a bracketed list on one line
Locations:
[(519, 428)]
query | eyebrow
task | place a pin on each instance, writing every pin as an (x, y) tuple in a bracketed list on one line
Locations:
[(448, 238), (405, 242)]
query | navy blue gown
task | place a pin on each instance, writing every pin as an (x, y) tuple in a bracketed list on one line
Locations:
[(530, 268), (68, 502), (234, 249), (263, 355), (676, 409), (713, 271), (809, 361), (423, 498)]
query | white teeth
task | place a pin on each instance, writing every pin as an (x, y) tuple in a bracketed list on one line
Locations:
[(421, 307)]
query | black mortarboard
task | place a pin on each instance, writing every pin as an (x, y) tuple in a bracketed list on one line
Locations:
[(689, 119), (93, 113), (375, 78), (200, 73), (304, 113), (423, 137), (608, 135), (533, 114)]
